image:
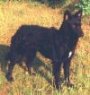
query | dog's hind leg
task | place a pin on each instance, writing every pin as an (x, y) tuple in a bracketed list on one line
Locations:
[(13, 59), (29, 60), (9, 72)]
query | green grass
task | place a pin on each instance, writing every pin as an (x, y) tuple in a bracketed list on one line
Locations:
[(12, 16)]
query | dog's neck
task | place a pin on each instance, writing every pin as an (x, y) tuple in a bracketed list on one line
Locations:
[(68, 35)]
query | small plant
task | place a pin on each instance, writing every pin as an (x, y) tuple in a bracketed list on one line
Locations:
[(85, 5)]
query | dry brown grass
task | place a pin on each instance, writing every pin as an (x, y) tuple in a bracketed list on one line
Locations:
[(12, 16)]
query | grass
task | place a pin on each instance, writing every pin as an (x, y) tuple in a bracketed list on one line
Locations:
[(12, 16)]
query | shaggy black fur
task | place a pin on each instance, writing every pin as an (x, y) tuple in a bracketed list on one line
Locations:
[(58, 45)]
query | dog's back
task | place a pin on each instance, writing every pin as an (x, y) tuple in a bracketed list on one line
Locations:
[(31, 37)]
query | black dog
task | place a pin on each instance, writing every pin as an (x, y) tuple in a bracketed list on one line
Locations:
[(58, 45)]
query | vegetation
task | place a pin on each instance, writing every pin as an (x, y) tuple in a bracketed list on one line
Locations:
[(85, 5), (81, 4), (15, 14)]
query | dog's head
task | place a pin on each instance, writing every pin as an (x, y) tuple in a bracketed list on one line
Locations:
[(74, 22)]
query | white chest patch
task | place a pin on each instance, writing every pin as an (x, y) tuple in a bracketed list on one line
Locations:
[(70, 54)]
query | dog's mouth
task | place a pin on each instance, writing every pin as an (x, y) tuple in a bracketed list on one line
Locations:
[(82, 34)]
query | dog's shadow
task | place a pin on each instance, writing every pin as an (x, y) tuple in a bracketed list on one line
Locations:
[(3, 51), (38, 66)]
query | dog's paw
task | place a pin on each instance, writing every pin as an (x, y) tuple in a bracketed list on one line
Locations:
[(70, 85), (9, 78)]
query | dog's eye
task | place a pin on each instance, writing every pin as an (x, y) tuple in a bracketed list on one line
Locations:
[(73, 25), (76, 25)]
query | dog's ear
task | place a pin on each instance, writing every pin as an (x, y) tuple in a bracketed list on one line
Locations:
[(67, 15), (79, 14)]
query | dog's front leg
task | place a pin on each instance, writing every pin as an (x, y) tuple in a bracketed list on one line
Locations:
[(56, 67), (56, 73), (66, 66)]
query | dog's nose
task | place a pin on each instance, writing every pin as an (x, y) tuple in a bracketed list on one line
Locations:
[(82, 34)]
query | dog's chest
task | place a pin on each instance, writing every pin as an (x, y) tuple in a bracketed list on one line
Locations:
[(70, 54)]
